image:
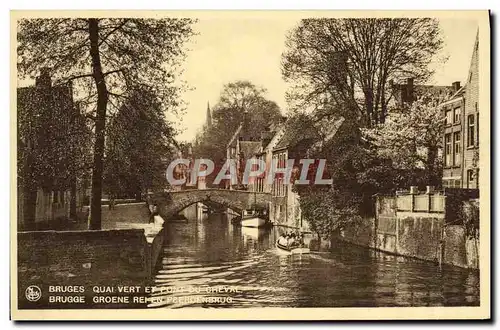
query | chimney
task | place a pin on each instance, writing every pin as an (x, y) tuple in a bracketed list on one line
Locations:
[(43, 80), (456, 86)]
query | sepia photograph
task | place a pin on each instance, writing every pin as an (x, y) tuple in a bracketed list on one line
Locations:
[(250, 165)]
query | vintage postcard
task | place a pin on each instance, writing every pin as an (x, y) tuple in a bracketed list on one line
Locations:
[(250, 165)]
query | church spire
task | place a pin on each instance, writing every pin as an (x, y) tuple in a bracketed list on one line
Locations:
[(209, 116)]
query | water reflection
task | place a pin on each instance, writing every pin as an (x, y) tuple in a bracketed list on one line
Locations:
[(202, 254)]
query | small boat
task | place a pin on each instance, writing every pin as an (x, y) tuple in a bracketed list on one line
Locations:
[(292, 250), (252, 219)]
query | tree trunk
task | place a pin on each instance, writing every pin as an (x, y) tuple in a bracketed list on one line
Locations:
[(102, 101)]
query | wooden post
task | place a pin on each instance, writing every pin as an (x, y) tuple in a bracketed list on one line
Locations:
[(429, 203)]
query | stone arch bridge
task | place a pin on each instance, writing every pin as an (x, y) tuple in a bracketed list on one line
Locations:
[(172, 202)]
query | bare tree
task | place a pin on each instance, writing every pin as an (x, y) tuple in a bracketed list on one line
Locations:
[(344, 66), (105, 58)]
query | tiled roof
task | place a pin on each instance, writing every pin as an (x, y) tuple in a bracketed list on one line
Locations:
[(307, 132), (295, 133)]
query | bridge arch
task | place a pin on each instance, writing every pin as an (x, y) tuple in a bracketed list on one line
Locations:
[(172, 202)]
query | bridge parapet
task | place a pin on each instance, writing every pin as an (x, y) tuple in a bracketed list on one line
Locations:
[(172, 202)]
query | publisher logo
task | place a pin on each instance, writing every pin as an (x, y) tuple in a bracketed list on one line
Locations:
[(33, 293)]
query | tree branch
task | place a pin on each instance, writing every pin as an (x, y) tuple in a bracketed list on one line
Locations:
[(112, 31)]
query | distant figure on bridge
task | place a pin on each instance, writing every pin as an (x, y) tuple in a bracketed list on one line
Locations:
[(156, 218), (154, 212)]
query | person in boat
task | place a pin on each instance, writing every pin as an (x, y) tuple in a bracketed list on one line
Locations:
[(300, 239), (291, 240), (283, 239)]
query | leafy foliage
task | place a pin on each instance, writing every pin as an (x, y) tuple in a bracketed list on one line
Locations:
[(328, 211), (139, 142), (412, 138), (106, 59)]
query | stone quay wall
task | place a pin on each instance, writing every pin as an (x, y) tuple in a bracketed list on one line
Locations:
[(415, 226), (85, 258)]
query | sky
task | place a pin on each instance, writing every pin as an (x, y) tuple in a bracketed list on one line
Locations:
[(229, 49)]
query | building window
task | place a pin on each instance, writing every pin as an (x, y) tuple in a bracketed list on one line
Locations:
[(477, 129), (470, 130), (470, 178), (447, 151), (456, 115), (448, 119), (456, 148)]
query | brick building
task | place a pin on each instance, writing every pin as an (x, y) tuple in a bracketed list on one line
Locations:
[(461, 136), (241, 147), (453, 112)]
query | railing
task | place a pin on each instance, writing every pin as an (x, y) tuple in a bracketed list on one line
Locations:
[(432, 203)]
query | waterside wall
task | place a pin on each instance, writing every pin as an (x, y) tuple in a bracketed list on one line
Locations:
[(416, 226)]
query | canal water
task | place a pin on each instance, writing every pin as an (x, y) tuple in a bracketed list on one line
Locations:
[(209, 262)]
